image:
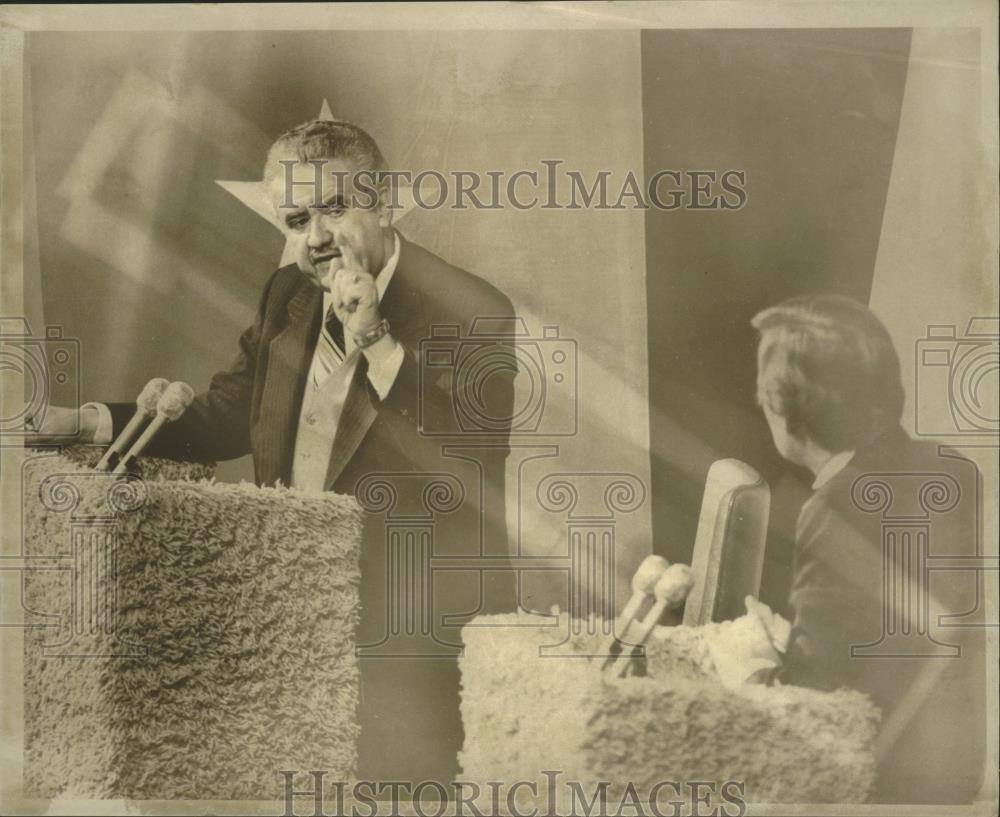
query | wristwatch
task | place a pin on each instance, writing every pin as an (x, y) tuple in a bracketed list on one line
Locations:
[(366, 339)]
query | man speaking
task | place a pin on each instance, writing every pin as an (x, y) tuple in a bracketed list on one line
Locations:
[(326, 389)]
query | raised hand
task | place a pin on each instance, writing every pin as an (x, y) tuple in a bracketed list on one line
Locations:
[(355, 298)]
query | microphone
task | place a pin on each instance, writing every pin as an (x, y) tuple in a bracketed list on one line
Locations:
[(644, 582), (171, 405), (145, 407), (671, 590)]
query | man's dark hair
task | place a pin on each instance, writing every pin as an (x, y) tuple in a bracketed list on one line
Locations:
[(326, 139), (828, 366)]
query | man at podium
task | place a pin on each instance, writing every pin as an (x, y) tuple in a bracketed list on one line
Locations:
[(327, 389)]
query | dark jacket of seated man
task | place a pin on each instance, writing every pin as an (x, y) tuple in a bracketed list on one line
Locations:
[(847, 554), (873, 607), (410, 723)]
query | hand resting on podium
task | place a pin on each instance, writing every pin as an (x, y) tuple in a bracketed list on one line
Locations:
[(63, 426)]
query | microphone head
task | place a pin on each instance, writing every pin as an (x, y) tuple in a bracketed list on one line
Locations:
[(150, 395), (175, 400), (674, 585), (648, 574)]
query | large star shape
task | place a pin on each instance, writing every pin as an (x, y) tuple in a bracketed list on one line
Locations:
[(254, 194)]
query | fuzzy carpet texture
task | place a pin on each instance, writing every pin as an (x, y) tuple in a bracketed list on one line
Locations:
[(525, 713), (229, 655)]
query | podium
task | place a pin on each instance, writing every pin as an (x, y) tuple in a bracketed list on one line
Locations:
[(186, 638), (526, 712)]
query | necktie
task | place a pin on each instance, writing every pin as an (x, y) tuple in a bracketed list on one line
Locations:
[(329, 348), (333, 325)]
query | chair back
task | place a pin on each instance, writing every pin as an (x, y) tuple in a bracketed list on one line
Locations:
[(728, 556)]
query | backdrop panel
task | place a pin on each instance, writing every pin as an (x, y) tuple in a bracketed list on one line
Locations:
[(810, 116)]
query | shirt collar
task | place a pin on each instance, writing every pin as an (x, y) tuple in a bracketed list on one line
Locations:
[(386, 273), (832, 467)]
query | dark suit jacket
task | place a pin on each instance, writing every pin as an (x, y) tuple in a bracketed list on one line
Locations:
[(253, 407), (411, 728), (931, 747)]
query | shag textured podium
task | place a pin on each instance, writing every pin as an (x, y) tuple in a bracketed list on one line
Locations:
[(526, 711), (191, 639)]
